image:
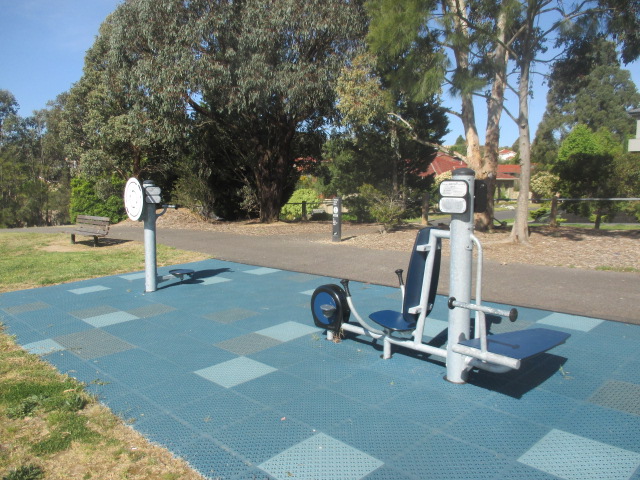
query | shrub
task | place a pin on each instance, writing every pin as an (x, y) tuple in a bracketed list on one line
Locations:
[(359, 208), (104, 200), (386, 209), (293, 208), (539, 213)]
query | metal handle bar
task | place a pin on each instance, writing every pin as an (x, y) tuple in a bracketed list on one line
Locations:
[(510, 314)]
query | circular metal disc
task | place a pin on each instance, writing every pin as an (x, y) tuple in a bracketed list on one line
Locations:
[(134, 199)]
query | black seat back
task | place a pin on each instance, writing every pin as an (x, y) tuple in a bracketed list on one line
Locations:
[(415, 276)]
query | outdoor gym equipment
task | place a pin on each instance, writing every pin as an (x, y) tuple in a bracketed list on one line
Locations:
[(332, 306), (141, 203)]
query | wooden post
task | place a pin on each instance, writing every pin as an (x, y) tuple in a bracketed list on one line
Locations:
[(425, 209)]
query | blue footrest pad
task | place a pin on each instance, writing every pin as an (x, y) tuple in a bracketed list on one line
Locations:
[(521, 344), (392, 320)]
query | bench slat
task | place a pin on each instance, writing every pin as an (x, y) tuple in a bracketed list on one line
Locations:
[(92, 220), (91, 230)]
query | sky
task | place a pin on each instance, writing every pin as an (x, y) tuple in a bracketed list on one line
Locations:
[(43, 43)]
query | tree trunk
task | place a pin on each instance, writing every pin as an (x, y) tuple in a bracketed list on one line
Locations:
[(395, 148), (270, 186), (489, 171), (553, 217), (273, 172), (425, 209), (467, 112), (520, 230)]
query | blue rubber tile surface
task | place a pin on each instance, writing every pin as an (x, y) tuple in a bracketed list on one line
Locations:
[(582, 458), (228, 371), (43, 347), (234, 372), (321, 457)]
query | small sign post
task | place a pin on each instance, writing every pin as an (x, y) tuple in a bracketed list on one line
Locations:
[(337, 219)]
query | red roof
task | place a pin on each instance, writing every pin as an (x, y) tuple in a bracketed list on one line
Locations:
[(443, 163), (446, 163), (508, 172)]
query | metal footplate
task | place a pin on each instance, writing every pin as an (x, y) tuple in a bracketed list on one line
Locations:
[(510, 348), (180, 273)]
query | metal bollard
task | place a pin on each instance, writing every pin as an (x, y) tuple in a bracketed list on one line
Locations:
[(337, 219)]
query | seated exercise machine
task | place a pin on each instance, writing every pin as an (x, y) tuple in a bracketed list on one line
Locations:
[(332, 305)]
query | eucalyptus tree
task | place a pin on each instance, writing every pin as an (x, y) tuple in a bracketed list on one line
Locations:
[(33, 180), (258, 72), (110, 128), (459, 45), (475, 46), (8, 107)]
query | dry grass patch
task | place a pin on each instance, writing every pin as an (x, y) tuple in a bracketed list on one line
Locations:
[(51, 429)]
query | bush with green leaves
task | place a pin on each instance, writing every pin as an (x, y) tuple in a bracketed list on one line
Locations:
[(292, 210), (536, 215), (544, 184), (386, 209), (358, 207), (102, 198)]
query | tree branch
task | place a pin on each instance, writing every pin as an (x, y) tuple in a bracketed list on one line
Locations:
[(415, 137)]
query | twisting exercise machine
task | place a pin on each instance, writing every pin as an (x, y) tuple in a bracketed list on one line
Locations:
[(332, 305), (141, 203)]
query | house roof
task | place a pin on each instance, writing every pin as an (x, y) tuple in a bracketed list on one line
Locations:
[(443, 163), (446, 163), (508, 172)]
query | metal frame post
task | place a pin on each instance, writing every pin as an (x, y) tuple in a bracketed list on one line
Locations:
[(461, 229), (150, 263)]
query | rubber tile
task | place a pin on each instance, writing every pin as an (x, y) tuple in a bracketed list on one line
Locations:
[(580, 458)]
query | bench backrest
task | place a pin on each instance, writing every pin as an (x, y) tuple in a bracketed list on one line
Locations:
[(416, 276), (91, 220), (93, 225)]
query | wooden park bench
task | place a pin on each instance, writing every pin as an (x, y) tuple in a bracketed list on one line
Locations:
[(90, 226)]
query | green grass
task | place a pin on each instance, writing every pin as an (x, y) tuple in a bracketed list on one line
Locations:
[(589, 226), (35, 260), (28, 390), (605, 268), (606, 226)]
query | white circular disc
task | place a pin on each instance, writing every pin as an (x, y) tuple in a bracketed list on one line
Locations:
[(134, 199)]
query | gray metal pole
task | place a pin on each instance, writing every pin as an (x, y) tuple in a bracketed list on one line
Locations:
[(461, 228), (150, 264)]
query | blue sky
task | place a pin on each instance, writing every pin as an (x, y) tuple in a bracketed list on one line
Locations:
[(43, 43)]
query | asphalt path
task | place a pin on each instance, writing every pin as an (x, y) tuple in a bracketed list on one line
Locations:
[(597, 294)]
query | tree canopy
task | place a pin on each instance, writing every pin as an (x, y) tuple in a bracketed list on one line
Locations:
[(258, 74), (587, 86), (586, 168)]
